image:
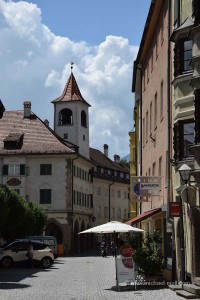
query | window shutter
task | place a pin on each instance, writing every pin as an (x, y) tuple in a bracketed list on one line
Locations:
[(196, 116), (5, 169), (22, 169)]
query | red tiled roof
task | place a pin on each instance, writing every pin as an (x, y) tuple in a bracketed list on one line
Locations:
[(37, 137), (143, 216), (71, 92)]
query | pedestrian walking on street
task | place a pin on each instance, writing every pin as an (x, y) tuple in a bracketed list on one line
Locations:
[(29, 254), (114, 248)]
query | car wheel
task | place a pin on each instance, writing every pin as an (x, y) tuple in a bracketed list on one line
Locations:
[(46, 262), (6, 262)]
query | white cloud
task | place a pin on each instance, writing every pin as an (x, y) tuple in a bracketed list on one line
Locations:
[(35, 65)]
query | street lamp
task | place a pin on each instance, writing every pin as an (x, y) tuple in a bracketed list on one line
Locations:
[(185, 173)]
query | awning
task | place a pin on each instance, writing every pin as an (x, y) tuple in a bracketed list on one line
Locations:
[(144, 216)]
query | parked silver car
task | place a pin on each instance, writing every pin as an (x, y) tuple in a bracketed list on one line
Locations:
[(15, 253)]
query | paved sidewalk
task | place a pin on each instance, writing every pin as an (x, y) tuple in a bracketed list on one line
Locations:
[(80, 278)]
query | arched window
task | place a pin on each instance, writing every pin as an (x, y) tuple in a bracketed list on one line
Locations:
[(83, 119), (65, 117)]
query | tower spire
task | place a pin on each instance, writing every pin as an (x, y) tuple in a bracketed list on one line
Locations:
[(72, 65)]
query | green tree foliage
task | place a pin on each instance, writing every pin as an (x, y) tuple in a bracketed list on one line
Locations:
[(148, 253), (19, 218)]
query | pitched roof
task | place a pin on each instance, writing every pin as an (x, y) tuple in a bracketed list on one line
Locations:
[(98, 159), (71, 92), (37, 137)]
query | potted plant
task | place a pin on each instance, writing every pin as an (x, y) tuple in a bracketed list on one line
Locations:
[(148, 254)]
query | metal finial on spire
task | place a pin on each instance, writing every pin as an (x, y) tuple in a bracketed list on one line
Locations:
[(72, 65)]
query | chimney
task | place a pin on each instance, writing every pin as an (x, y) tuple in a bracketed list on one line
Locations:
[(117, 158), (27, 109), (105, 146), (46, 122)]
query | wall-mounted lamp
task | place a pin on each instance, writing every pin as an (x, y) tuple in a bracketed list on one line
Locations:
[(185, 172)]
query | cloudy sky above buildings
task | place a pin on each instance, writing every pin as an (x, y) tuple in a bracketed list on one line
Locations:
[(38, 41)]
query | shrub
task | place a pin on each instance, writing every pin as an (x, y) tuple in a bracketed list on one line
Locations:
[(148, 254)]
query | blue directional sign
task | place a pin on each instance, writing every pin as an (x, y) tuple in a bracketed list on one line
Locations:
[(136, 188)]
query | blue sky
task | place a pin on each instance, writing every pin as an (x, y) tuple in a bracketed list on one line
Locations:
[(93, 20), (41, 38)]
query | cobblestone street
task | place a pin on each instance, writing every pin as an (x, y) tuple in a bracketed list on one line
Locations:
[(70, 278)]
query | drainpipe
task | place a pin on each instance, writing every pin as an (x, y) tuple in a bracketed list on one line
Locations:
[(139, 67), (72, 207), (109, 201), (169, 189)]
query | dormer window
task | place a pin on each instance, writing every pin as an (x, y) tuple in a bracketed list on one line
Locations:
[(13, 141)]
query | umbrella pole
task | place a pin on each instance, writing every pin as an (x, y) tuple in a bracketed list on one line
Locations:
[(117, 283)]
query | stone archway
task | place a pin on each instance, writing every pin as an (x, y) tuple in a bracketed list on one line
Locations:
[(53, 228), (195, 244)]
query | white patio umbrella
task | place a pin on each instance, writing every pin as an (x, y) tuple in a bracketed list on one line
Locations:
[(112, 227)]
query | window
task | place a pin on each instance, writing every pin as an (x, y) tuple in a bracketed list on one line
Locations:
[(113, 213), (183, 55), (14, 170), (176, 13), (155, 110), (147, 123), (45, 196), (152, 60), (45, 169), (150, 119), (196, 12), (143, 136), (65, 136), (188, 137), (119, 193), (162, 28), (160, 166), (183, 138), (98, 190), (65, 117), (154, 169), (161, 100), (83, 119), (156, 48), (105, 212), (119, 213), (99, 212)]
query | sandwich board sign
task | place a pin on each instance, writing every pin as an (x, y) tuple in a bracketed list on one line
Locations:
[(125, 270)]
